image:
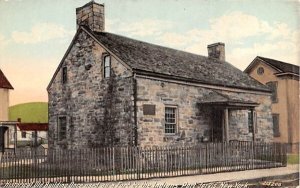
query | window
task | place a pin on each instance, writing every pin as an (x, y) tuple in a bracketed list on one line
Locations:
[(250, 122), (23, 134), (273, 87), (62, 127), (33, 134), (107, 66), (170, 120), (64, 75), (276, 125), (260, 71)]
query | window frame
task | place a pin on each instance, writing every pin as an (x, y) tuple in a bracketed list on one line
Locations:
[(59, 135), (106, 66), (250, 121), (23, 134), (64, 75), (175, 124), (33, 134), (276, 133), (260, 71)]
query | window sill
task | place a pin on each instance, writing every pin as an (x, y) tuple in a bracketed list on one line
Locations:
[(170, 134)]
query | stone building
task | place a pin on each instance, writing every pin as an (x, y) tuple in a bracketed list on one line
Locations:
[(283, 80), (113, 90)]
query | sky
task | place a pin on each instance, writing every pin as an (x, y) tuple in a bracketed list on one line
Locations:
[(35, 34)]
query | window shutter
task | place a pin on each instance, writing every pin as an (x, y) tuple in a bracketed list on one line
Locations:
[(276, 130), (273, 87)]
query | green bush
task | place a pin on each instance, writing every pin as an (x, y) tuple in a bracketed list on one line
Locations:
[(293, 159)]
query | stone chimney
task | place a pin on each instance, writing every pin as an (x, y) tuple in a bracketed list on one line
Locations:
[(217, 51), (91, 15)]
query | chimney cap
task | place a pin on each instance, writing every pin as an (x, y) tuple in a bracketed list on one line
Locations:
[(88, 4), (216, 44)]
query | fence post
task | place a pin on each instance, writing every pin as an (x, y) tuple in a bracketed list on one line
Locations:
[(285, 155)]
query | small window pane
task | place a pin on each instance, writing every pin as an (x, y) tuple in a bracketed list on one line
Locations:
[(107, 61), (107, 66), (170, 120), (250, 122), (107, 72), (62, 127)]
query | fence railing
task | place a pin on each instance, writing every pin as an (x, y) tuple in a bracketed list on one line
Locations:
[(130, 163)]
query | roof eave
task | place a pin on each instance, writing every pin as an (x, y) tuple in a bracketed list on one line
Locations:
[(159, 75), (286, 73), (253, 63), (106, 48)]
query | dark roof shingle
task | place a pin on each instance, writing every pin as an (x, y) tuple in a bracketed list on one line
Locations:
[(4, 83), (166, 61), (284, 67)]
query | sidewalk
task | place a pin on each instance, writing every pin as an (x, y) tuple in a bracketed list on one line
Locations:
[(221, 177)]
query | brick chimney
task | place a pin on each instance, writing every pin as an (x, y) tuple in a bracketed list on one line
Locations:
[(217, 51), (91, 15)]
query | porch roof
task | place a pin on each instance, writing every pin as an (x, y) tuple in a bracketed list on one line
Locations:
[(216, 99), (4, 123)]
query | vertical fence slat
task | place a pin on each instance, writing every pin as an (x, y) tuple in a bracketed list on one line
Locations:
[(129, 163)]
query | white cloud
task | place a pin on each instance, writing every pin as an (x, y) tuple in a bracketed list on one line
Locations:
[(3, 41), (238, 25), (245, 37), (287, 51), (142, 28), (40, 33)]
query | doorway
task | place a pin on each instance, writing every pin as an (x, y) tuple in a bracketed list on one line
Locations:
[(217, 127)]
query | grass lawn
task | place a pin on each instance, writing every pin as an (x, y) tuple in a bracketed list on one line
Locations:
[(293, 159), (35, 112)]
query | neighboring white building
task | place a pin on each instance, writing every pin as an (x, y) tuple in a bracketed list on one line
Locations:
[(26, 132), (5, 87)]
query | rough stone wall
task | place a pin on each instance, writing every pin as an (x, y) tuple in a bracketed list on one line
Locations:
[(99, 111), (238, 119), (194, 120)]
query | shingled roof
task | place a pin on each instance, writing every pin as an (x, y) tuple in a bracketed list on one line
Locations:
[(282, 66), (150, 58), (4, 83)]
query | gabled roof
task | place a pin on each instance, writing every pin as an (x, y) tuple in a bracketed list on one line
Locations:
[(4, 83), (145, 58), (281, 67), (284, 67)]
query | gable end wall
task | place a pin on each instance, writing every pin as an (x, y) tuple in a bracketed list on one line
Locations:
[(86, 99)]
